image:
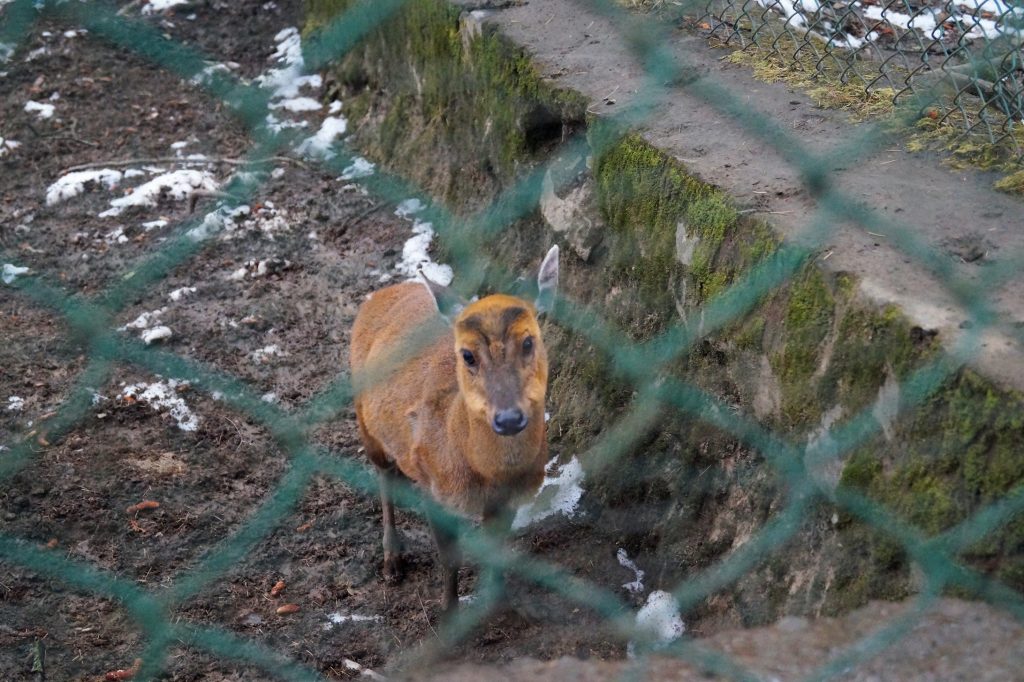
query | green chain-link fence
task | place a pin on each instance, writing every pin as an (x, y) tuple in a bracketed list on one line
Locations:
[(968, 54), (643, 366)]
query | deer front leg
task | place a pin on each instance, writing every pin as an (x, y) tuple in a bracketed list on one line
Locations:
[(450, 558), (497, 523)]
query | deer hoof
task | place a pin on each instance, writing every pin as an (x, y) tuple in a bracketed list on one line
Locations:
[(393, 572)]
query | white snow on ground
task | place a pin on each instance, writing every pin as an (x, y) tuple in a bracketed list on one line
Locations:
[(416, 250), (11, 272), (149, 326), (286, 80), (659, 618), (216, 221), (263, 355), (156, 334), (162, 396), (359, 168), (145, 320), (267, 221), (560, 493), (154, 224), (928, 23), (319, 144), (409, 207), (297, 104), (178, 294), (73, 184), (636, 586), (116, 236), (177, 185), (276, 125), (338, 618), (15, 404), (7, 146), (416, 256), (152, 6), (41, 109), (205, 76)]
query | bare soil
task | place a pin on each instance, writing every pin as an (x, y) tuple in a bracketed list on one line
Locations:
[(71, 498)]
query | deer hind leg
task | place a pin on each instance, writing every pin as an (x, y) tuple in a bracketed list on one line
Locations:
[(387, 474), (392, 541)]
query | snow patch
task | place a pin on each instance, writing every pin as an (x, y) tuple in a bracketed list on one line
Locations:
[(409, 207), (319, 144), (7, 146), (15, 404), (338, 618), (286, 80), (660, 620), (145, 320), (40, 109), (559, 493), (154, 6), (416, 256), (636, 586), (73, 184), (156, 334), (176, 185), (297, 104), (359, 168), (178, 294), (262, 355), (11, 272), (162, 396)]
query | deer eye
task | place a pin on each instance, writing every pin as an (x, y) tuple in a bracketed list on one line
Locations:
[(469, 358), (528, 344)]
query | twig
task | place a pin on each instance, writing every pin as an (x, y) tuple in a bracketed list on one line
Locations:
[(127, 8), (425, 616), (39, 660), (373, 209), (178, 159)]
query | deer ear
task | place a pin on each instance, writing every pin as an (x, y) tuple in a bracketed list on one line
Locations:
[(448, 303), (547, 281)]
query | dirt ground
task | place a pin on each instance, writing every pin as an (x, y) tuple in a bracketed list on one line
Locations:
[(283, 333)]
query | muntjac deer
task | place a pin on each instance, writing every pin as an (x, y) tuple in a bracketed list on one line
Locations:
[(462, 415)]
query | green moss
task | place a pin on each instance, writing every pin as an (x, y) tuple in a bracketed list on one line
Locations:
[(870, 345), (824, 81), (957, 453), (750, 334), (1013, 183), (645, 197), (808, 318), (434, 87)]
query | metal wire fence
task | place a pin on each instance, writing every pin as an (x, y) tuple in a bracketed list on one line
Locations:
[(968, 53), (644, 366)]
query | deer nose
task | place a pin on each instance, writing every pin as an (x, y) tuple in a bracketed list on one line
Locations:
[(509, 422)]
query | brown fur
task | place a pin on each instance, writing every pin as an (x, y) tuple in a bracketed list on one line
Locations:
[(430, 415)]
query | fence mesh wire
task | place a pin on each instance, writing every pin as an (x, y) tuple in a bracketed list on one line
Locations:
[(966, 56), (976, 47)]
